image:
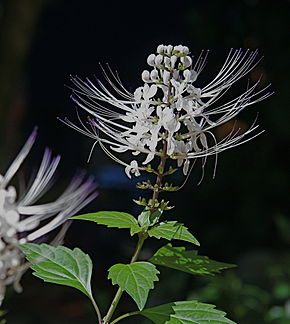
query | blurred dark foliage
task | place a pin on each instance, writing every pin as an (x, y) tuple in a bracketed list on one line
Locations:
[(242, 216)]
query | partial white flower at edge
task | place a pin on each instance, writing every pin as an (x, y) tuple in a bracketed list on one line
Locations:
[(170, 107), (23, 220)]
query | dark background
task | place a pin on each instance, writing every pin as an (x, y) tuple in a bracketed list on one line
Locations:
[(242, 216)]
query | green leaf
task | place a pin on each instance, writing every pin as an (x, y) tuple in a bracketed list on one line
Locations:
[(113, 219), (147, 218), (188, 261), (136, 279), (172, 230), (60, 265), (186, 312)]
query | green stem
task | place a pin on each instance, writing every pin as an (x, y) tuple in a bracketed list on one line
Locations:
[(119, 293), (123, 316), (96, 309)]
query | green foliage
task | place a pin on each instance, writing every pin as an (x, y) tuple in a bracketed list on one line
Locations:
[(188, 261), (146, 218), (60, 265), (113, 219), (186, 312), (172, 230), (136, 279)]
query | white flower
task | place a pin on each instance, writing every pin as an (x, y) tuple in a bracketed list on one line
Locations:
[(132, 168), (22, 219), (170, 108)]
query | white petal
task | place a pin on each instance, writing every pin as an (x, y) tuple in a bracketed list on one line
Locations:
[(149, 158), (145, 76), (127, 171), (120, 149), (152, 91)]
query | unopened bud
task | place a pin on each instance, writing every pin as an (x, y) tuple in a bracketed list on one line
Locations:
[(169, 49), (158, 60), (173, 60), (145, 76), (166, 77), (154, 75), (160, 49), (186, 61), (167, 62), (175, 74), (187, 75), (151, 60), (178, 48), (185, 50)]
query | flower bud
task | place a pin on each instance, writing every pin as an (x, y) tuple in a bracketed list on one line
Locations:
[(145, 76), (160, 49), (178, 48), (158, 60), (169, 49), (166, 77), (193, 76), (173, 60), (151, 60), (175, 74), (186, 61), (187, 75), (185, 50), (154, 75), (167, 62)]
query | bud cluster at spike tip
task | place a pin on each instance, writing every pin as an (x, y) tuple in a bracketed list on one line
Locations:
[(169, 107), (23, 220)]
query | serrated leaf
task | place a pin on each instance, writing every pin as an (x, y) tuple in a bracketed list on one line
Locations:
[(172, 230), (60, 265), (188, 261), (136, 279), (147, 218), (113, 219), (186, 312)]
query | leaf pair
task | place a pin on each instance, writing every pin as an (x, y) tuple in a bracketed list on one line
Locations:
[(73, 268), (167, 230)]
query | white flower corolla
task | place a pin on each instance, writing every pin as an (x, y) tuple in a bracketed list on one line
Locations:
[(22, 219), (171, 114), (132, 168)]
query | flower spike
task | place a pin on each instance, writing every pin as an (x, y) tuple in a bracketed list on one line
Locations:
[(168, 108)]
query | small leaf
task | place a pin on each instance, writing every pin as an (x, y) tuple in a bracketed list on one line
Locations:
[(60, 265), (147, 218), (188, 261), (136, 279), (172, 230), (113, 219), (186, 312)]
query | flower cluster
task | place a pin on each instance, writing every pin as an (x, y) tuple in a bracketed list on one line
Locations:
[(169, 115), (22, 220)]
